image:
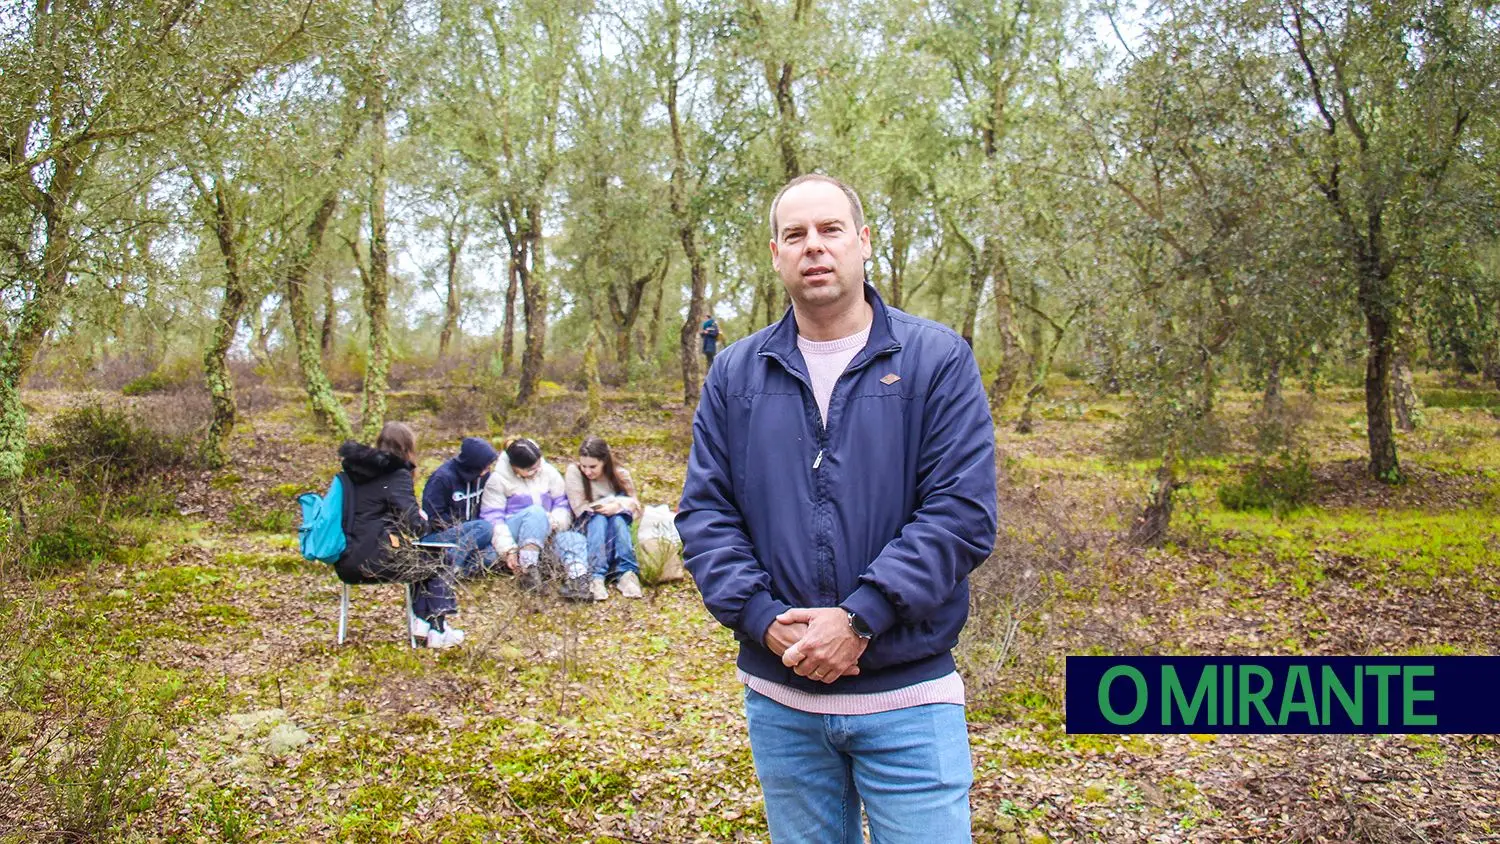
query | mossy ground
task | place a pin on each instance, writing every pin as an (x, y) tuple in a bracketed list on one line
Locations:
[(622, 721)]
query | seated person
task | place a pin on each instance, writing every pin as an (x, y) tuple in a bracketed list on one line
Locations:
[(525, 501), (602, 496), (385, 513), (451, 502)]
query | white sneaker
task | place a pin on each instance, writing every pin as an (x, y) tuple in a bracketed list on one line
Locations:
[(629, 585), (450, 638), (419, 626), (596, 588)]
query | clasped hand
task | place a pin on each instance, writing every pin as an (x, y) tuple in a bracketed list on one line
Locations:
[(816, 642)]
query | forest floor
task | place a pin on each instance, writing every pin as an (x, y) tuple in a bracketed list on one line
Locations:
[(622, 721)]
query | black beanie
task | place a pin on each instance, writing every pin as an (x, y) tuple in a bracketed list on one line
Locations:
[(475, 455)]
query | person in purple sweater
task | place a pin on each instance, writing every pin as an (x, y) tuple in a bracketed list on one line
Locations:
[(840, 489), (525, 500)]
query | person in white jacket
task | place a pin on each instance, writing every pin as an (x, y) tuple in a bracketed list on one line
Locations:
[(526, 502)]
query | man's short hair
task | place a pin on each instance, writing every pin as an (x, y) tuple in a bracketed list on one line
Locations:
[(854, 203)]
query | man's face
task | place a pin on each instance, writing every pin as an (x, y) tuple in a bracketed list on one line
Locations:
[(817, 251)]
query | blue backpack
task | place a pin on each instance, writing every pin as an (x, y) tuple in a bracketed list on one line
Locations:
[(325, 521)]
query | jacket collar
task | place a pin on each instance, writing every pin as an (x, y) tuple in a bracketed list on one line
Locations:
[(781, 342)]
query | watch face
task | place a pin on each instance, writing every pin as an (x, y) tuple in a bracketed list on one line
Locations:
[(860, 627)]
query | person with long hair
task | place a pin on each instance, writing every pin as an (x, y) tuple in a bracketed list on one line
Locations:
[(525, 501), (603, 498), (379, 547)]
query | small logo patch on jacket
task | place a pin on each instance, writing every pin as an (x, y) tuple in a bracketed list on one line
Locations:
[(890, 379)]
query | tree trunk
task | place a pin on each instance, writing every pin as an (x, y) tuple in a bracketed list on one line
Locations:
[(456, 236), (1404, 392), (508, 332), (260, 332), (896, 259), (1009, 370), (1024, 423), (1373, 293), (1272, 404), (330, 317), (321, 401), (697, 312), (37, 316), (760, 304), (687, 227), (534, 295), (1150, 527), (216, 357), (1042, 360), (377, 281), (978, 275), (653, 348), (593, 406)]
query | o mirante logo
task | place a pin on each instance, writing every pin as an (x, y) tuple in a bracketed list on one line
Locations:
[(1282, 694)]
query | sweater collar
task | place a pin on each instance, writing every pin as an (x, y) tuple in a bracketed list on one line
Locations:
[(781, 343)]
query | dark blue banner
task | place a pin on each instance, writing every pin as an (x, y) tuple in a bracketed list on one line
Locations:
[(1283, 694)]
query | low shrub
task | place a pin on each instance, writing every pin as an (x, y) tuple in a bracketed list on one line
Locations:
[(168, 378), (250, 517), (97, 783), (105, 446), (1482, 399), (98, 465), (1281, 485)]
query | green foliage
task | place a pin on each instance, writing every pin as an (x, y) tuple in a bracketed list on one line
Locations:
[(151, 382), (163, 379), (97, 783), (103, 446), (1281, 485), (1485, 399), (1398, 548), (99, 465), (261, 519), (70, 541)]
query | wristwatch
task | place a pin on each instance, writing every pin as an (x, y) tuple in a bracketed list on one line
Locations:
[(859, 626)]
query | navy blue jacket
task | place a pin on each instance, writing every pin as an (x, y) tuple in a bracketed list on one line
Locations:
[(883, 512), (451, 496)]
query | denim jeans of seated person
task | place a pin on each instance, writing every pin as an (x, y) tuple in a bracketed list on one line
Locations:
[(472, 552), (530, 528), (611, 550)]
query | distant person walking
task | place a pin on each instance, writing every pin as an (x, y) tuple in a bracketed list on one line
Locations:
[(710, 333), (840, 489)]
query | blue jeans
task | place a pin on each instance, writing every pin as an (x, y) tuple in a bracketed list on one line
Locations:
[(610, 546), (910, 767), (472, 552), (530, 527)]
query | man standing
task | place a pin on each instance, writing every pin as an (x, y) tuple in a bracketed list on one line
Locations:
[(841, 488), (710, 333)]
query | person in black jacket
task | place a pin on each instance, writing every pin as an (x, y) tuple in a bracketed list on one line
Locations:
[(378, 549), (451, 501)]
